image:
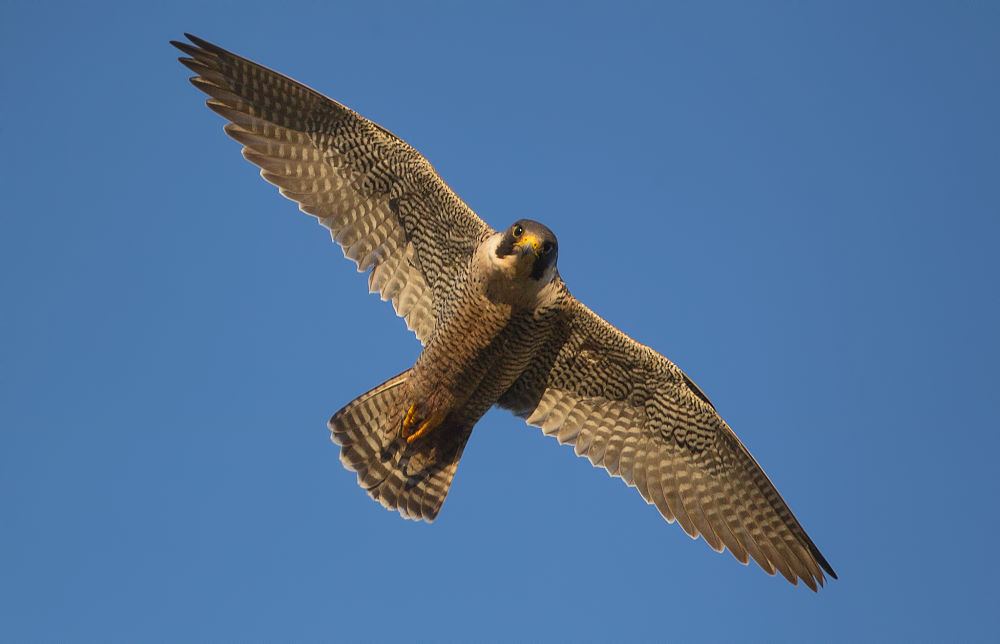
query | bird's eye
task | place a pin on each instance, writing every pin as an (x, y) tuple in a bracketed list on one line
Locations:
[(518, 230), (547, 247)]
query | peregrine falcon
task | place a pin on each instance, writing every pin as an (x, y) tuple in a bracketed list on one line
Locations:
[(498, 327)]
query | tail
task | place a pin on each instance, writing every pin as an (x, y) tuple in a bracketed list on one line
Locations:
[(412, 479)]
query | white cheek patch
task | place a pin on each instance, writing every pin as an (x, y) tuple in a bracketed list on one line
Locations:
[(507, 264)]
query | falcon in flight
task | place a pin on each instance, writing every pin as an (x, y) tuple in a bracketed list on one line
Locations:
[(498, 327)]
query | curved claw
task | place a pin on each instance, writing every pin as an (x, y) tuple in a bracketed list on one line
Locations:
[(425, 427)]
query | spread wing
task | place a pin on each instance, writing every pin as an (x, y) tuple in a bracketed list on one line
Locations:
[(633, 412), (382, 201)]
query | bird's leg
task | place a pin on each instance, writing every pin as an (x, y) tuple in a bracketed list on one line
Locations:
[(423, 425)]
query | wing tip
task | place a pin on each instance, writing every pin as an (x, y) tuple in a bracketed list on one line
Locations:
[(187, 48), (198, 47), (821, 560), (203, 44)]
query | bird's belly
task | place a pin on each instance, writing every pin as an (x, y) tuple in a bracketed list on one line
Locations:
[(471, 361), (499, 370)]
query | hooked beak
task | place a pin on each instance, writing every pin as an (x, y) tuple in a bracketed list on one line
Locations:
[(528, 243)]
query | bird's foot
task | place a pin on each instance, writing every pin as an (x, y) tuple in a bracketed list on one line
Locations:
[(423, 426)]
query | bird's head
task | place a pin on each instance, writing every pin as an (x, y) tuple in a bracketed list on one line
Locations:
[(531, 248)]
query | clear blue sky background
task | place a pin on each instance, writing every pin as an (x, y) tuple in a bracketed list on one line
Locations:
[(796, 202)]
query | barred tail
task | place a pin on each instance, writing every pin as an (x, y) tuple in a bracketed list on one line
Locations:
[(412, 479)]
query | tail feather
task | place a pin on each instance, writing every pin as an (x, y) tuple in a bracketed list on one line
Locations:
[(412, 479)]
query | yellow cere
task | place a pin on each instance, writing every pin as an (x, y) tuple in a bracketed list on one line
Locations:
[(529, 240)]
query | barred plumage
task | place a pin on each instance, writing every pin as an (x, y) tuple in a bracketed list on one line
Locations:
[(499, 327)]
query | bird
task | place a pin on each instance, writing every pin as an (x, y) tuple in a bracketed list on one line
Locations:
[(498, 327)]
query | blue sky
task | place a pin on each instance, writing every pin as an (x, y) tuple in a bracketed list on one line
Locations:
[(802, 202)]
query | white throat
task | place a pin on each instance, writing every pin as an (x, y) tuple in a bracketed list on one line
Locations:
[(508, 279)]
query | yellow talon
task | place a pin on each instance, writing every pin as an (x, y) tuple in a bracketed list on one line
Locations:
[(425, 427), (408, 420)]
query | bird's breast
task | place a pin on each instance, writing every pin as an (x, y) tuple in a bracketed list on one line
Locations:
[(476, 353)]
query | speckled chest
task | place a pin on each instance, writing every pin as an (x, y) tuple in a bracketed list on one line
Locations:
[(477, 352)]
